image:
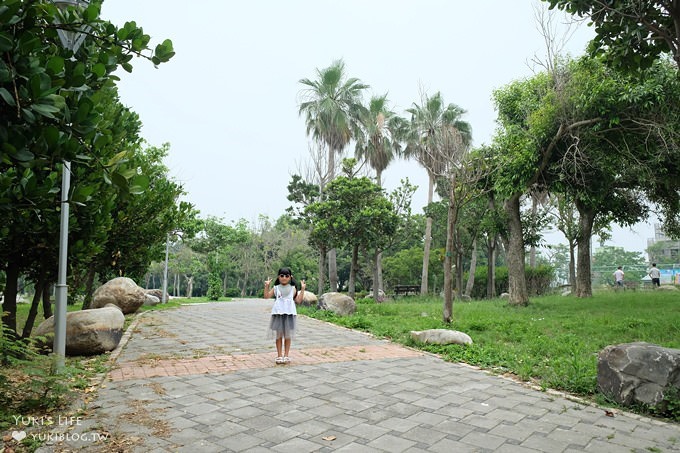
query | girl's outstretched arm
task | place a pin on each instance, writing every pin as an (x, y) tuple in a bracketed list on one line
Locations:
[(301, 294), (268, 293)]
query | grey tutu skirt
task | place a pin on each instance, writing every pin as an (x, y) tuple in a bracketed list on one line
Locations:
[(282, 326)]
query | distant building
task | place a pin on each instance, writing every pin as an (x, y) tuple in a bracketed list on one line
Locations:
[(668, 250)]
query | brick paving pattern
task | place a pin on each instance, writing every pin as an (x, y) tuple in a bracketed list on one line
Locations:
[(202, 378)]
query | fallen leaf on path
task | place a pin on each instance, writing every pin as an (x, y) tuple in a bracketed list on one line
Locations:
[(329, 438)]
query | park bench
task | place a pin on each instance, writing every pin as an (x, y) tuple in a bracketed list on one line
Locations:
[(406, 290)]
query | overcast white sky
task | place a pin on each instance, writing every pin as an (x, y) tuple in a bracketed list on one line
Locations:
[(228, 101)]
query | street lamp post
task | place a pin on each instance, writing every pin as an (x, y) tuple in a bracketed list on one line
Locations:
[(72, 41), (164, 298)]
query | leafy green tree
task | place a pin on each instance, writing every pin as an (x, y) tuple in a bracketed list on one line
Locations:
[(50, 114), (378, 144), (144, 218), (355, 213), (607, 259), (595, 134), (221, 246), (429, 139), (630, 33), (332, 107)]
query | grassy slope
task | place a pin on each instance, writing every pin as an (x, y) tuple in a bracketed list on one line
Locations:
[(553, 342)]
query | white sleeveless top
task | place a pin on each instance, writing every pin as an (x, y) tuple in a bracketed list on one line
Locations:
[(284, 303)]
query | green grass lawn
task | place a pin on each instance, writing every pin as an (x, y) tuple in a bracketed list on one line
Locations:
[(553, 342)]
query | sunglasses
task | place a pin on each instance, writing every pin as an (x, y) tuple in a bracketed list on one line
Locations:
[(284, 275)]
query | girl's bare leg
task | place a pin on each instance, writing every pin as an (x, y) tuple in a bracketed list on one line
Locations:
[(279, 342), (287, 347)]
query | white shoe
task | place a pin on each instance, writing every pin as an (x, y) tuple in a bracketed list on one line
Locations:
[(286, 359), (279, 360)]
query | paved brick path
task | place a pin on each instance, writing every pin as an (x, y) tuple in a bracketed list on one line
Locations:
[(230, 363), (202, 379)]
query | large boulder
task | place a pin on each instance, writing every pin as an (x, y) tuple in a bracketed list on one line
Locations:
[(151, 300), (309, 299), (158, 293), (88, 332), (638, 373), (340, 304), (122, 292), (440, 336)]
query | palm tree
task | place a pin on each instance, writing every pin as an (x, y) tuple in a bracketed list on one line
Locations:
[(427, 138), (379, 142), (379, 145), (332, 106)]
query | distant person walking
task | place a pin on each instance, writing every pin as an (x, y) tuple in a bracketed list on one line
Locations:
[(618, 276), (284, 314), (655, 274)]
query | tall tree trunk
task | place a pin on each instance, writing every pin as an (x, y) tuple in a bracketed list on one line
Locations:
[(377, 277), (353, 271), (459, 273), (9, 302), (491, 244), (322, 271), (517, 284), (378, 267), (447, 316), (333, 269), (583, 280), (46, 301), (473, 268), (381, 283), (246, 276), (332, 254), (532, 248), (190, 285), (89, 286), (424, 279), (377, 271), (572, 266), (33, 312)]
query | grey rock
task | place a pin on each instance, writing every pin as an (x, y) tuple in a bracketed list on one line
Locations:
[(338, 303), (309, 299), (122, 292), (440, 336), (88, 332), (638, 373), (150, 299), (158, 293)]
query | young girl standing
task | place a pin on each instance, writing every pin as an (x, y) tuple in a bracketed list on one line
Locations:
[(284, 314)]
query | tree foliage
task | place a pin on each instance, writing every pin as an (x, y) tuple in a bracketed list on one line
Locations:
[(629, 33), (604, 138), (355, 213), (58, 103)]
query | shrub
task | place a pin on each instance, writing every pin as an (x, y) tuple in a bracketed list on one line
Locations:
[(214, 287), (479, 288), (538, 281)]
